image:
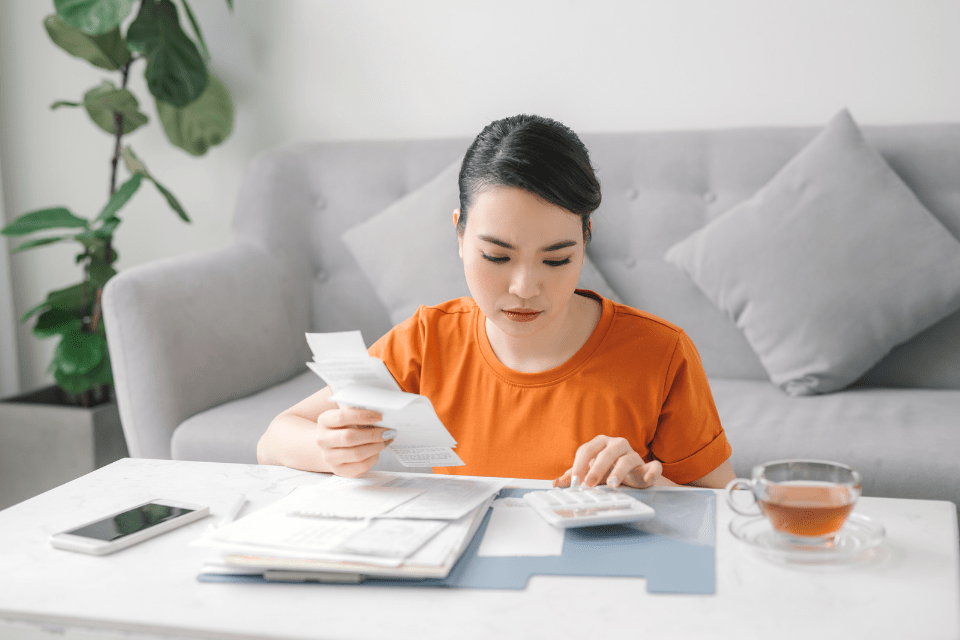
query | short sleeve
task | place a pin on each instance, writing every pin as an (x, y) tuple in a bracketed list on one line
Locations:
[(401, 349), (689, 441)]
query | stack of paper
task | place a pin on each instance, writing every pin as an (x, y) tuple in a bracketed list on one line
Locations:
[(360, 380), (383, 524)]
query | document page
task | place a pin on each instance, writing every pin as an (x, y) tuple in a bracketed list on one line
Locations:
[(405, 523), (427, 497), (515, 529), (359, 380), (274, 527), (444, 497), (351, 501)]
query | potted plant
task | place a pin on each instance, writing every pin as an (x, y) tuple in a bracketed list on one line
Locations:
[(196, 112)]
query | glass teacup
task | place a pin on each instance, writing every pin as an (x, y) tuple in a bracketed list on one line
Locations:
[(806, 501)]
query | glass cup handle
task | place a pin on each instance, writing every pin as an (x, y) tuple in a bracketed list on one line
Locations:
[(734, 484)]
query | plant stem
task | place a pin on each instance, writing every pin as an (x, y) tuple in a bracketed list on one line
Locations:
[(108, 250), (118, 132)]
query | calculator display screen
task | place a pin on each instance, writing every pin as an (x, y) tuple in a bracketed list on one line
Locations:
[(128, 522)]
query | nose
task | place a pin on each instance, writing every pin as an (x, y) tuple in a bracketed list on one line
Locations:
[(524, 283)]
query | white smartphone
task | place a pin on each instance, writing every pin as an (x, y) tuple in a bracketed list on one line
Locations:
[(128, 526)]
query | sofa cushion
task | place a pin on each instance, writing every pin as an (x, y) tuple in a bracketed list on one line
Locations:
[(828, 266), (230, 432), (896, 438), (408, 251)]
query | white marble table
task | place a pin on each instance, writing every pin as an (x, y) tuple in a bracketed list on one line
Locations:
[(909, 588)]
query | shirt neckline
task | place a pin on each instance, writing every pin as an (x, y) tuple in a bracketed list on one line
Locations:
[(550, 375)]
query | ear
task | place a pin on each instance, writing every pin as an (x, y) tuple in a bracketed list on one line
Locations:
[(456, 221), (589, 230)]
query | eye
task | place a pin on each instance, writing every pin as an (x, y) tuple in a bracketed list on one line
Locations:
[(557, 263), (495, 259)]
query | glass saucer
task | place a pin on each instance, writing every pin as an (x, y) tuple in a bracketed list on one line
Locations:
[(859, 534)]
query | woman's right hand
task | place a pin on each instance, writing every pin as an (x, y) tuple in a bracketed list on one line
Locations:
[(349, 443)]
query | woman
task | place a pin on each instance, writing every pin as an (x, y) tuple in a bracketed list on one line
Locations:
[(533, 377)]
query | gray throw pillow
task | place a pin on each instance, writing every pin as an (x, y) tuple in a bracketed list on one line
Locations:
[(408, 251), (828, 266)]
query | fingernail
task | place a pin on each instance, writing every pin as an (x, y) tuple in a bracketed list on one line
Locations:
[(574, 482), (613, 481), (389, 433), (371, 415)]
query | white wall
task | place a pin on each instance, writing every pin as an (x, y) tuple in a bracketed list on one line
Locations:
[(318, 69)]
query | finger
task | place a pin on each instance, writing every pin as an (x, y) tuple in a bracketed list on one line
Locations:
[(605, 461), (351, 455), (623, 471), (563, 481), (348, 416), (581, 461), (355, 469), (353, 436), (654, 471), (645, 476), (356, 435)]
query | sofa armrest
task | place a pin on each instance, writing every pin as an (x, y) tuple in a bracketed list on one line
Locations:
[(190, 332)]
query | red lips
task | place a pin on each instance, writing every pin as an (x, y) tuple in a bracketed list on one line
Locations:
[(522, 315)]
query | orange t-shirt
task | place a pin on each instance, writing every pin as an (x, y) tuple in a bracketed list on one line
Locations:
[(637, 377)]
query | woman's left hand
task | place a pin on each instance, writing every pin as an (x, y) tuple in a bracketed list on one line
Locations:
[(611, 460)]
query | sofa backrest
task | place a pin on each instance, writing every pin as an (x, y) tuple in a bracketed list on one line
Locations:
[(658, 187)]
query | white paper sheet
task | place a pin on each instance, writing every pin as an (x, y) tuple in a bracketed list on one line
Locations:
[(515, 529), (274, 528), (445, 497), (350, 501), (359, 380)]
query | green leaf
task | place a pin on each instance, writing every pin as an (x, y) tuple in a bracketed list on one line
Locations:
[(57, 321), (230, 4), (101, 253), (65, 103), (175, 70), (91, 242), (201, 124), (54, 218), (134, 165), (196, 29), (106, 231), (39, 242), (107, 51), (100, 272), (101, 103), (120, 197), (81, 383), (78, 352), (67, 298), (172, 201), (93, 16)]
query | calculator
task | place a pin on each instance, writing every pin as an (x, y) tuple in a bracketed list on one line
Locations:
[(569, 508)]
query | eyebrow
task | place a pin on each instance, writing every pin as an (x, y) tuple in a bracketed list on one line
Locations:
[(563, 244)]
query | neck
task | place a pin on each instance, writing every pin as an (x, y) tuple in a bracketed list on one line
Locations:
[(551, 347)]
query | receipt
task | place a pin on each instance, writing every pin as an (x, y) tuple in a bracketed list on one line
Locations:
[(359, 380)]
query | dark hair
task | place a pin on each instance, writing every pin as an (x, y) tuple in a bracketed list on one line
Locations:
[(537, 154)]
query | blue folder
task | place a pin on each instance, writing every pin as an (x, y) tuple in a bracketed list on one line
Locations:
[(674, 551)]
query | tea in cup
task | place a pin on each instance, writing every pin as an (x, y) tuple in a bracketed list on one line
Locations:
[(807, 501)]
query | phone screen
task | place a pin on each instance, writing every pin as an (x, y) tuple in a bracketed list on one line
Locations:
[(128, 522)]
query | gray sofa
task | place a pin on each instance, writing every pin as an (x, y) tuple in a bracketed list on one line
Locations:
[(207, 348)]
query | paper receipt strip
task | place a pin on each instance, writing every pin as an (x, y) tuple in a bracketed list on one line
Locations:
[(360, 380)]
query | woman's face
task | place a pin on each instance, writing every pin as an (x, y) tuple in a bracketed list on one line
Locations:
[(522, 258)]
